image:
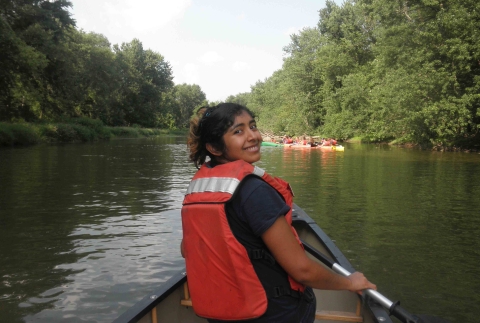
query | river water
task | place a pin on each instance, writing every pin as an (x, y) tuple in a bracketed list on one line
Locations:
[(86, 230)]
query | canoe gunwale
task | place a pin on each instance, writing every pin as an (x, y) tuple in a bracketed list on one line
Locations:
[(299, 215), (144, 306), (378, 313)]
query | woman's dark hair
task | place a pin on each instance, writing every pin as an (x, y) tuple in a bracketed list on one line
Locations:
[(209, 126)]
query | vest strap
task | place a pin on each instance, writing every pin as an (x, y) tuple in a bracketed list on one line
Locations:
[(261, 254), (279, 291)]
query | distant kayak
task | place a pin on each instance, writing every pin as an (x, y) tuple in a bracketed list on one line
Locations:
[(271, 144)]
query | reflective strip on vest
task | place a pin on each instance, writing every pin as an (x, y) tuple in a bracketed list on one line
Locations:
[(218, 184), (213, 184), (258, 171)]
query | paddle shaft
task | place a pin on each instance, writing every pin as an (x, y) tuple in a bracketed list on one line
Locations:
[(394, 308)]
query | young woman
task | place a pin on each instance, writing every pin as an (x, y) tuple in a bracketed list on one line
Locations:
[(244, 259)]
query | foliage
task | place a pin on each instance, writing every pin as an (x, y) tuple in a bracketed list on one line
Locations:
[(49, 71), (70, 130), (145, 81), (15, 134), (240, 98), (186, 98), (124, 132), (381, 71)]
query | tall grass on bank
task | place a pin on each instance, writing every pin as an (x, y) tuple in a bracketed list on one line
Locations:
[(18, 134), (68, 130)]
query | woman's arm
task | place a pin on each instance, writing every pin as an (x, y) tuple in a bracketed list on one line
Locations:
[(285, 249)]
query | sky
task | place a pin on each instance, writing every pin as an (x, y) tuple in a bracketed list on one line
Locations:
[(223, 46)]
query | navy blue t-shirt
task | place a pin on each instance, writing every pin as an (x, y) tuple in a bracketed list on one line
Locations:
[(258, 205)]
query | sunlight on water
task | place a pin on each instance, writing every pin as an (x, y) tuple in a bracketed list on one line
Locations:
[(120, 259)]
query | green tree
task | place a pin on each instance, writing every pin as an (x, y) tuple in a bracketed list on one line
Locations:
[(145, 80), (381, 70), (427, 69), (32, 34), (95, 75), (240, 98), (187, 98)]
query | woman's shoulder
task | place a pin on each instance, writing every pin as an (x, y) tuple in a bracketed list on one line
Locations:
[(254, 190), (252, 183), (258, 204)]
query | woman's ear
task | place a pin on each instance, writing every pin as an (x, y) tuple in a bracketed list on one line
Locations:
[(212, 150)]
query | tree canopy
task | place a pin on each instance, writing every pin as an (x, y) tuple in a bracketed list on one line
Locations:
[(403, 71), (49, 70), (407, 71)]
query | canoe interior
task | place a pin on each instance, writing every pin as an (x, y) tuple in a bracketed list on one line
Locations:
[(163, 305)]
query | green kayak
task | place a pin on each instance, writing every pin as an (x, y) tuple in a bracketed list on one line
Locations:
[(271, 144)]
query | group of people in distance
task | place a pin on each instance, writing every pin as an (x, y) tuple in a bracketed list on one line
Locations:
[(244, 260), (287, 140)]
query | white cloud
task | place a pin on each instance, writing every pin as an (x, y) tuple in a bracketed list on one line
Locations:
[(123, 20), (210, 58), (145, 15), (241, 16), (190, 73), (174, 63), (240, 66)]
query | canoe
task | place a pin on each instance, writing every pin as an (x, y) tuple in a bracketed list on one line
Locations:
[(327, 148), (171, 303)]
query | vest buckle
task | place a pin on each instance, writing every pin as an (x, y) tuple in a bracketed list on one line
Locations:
[(279, 291), (257, 253)]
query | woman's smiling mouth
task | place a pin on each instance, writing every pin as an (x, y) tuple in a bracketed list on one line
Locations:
[(253, 148)]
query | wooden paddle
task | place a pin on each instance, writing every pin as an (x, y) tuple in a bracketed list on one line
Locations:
[(394, 308)]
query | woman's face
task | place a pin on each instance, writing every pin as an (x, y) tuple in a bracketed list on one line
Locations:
[(242, 140)]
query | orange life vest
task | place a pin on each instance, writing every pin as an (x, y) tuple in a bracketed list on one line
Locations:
[(222, 280)]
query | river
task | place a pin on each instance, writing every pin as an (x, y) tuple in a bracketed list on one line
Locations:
[(86, 230)]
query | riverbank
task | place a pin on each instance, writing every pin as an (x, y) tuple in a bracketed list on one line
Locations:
[(69, 131)]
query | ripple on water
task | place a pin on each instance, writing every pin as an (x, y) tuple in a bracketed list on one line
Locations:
[(86, 237), (122, 259)]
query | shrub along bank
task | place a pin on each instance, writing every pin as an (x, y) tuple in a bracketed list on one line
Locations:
[(69, 130)]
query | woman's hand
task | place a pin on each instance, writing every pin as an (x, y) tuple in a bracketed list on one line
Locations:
[(359, 282)]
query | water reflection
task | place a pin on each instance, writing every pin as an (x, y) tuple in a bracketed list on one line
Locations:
[(87, 230), (119, 261), (407, 218)]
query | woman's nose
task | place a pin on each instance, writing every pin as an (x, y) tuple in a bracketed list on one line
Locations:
[(252, 135)]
